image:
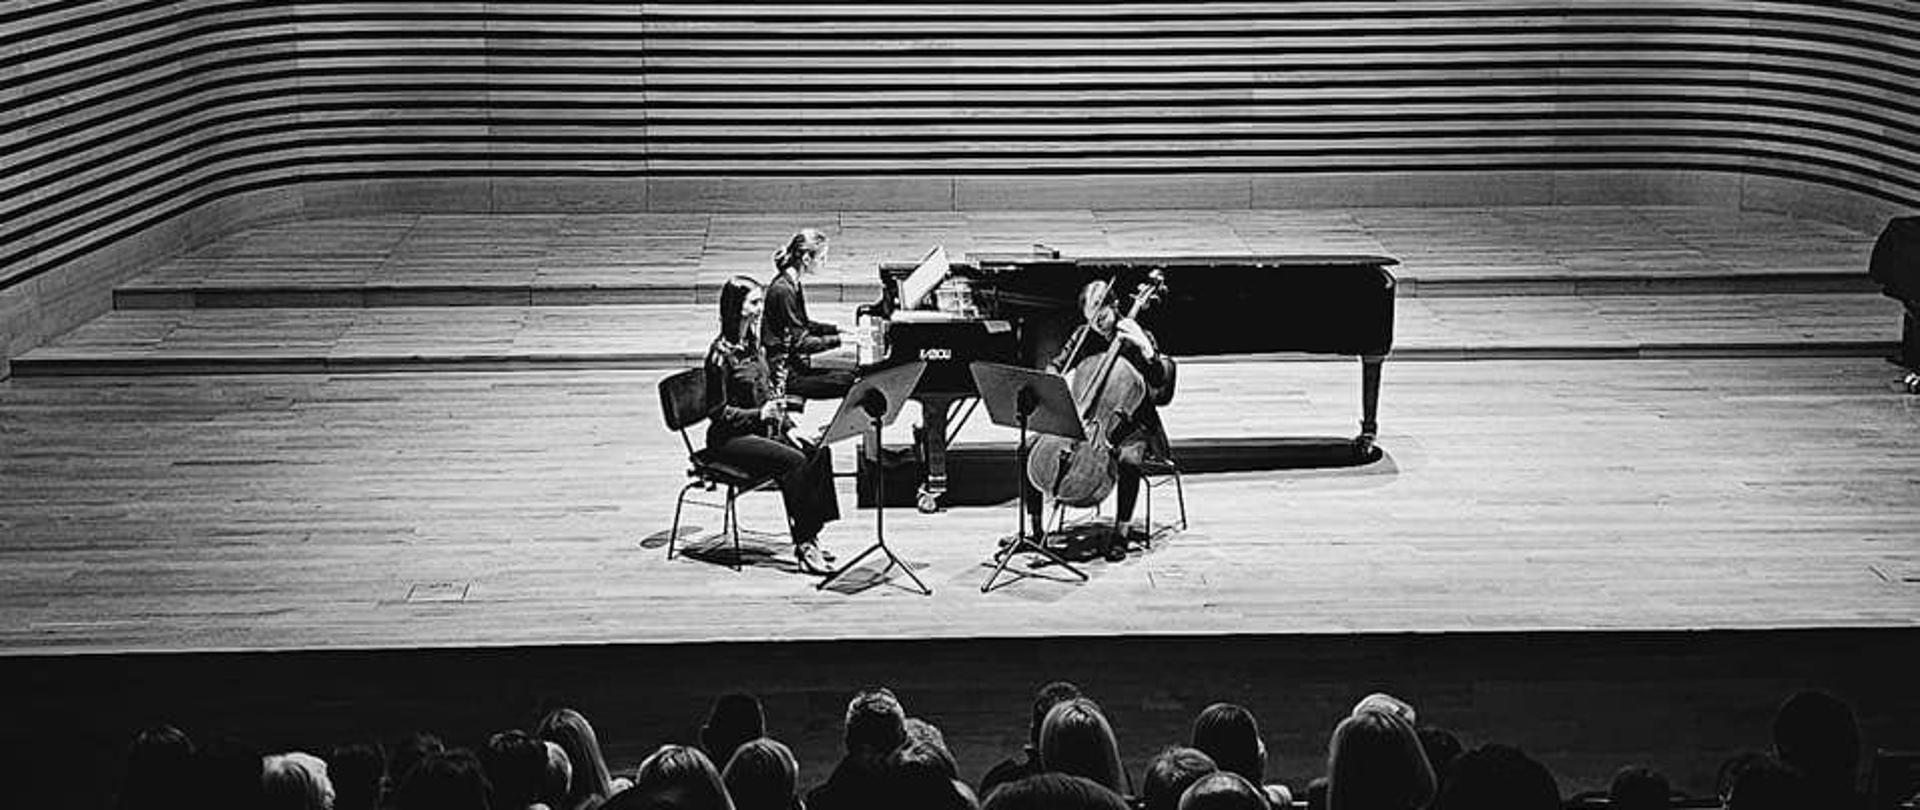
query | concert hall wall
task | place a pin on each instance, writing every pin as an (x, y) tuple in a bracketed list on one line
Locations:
[(133, 130)]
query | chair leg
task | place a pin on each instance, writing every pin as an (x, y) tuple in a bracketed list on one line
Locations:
[(733, 520), (679, 503), (1180, 497)]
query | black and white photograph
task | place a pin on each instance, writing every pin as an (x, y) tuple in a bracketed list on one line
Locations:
[(1018, 405)]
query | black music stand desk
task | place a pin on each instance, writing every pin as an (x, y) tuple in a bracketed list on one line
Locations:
[(1029, 400), (871, 404)]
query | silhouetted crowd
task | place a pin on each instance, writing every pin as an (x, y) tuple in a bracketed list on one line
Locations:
[(1379, 757)]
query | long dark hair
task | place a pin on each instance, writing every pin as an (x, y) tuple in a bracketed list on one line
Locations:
[(733, 297), (808, 242)]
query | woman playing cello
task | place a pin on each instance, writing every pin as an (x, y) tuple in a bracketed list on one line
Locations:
[(1138, 435)]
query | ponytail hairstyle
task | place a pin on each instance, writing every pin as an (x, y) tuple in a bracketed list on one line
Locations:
[(733, 298), (808, 244)]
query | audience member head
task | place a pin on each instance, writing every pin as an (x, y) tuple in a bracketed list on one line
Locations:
[(805, 252), (1223, 790), (407, 753), (1637, 787), (447, 780), (1374, 762), (295, 781), (1170, 773), (1054, 791), (735, 718), (923, 733), (1383, 702), (1076, 739), (1768, 784), (1049, 696), (160, 766), (359, 774), (572, 731), (875, 724), (674, 777), (921, 774), (1229, 734), (516, 765), (763, 775), (1441, 748), (1500, 777), (740, 305), (557, 779), (1815, 733), (229, 775)]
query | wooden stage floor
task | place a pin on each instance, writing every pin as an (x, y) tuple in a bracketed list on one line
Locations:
[(278, 512), (1558, 455)]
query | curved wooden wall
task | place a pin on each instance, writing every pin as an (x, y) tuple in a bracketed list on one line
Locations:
[(117, 118)]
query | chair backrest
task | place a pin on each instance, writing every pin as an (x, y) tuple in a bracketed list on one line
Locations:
[(683, 398)]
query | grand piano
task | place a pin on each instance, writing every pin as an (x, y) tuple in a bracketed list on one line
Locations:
[(1020, 308)]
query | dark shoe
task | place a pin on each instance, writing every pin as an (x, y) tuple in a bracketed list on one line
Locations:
[(810, 559)]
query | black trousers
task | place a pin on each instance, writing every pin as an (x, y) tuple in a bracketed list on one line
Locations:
[(805, 478), (1126, 486)]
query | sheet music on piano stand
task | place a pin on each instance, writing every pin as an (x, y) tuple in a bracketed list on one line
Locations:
[(933, 269)]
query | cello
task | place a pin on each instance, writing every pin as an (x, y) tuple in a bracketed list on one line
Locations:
[(1080, 472)]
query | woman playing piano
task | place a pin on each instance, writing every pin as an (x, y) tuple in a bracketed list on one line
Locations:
[(792, 337), (747, 425), (1141, 435)]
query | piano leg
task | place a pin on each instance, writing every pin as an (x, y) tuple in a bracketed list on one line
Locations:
[(931, 435), (1369, 405)]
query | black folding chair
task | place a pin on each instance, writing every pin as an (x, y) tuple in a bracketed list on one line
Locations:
[(684, 404)]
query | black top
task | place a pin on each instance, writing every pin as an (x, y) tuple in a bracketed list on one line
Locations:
[(1145, 425), (736, 388), (786, 330)]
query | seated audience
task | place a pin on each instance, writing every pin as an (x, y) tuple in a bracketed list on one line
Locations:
[(875, 725), (1383, 702), (1637, 787), (359, 774), (1170, 773), (447, 780), (516, 766), (159, 771), (1076, 739), (230, 775), (1223, 790), (592, 782), (736, 718), (1499, 777), (1814, 733), (1054, 791), (557, 778), (1374, 762), (1732, 767), (408, 753), (1769, 784), (295, 781), (763, 775), (921, 774), (1441, 748), (674, 777), (1229, 734), (1028, 763)]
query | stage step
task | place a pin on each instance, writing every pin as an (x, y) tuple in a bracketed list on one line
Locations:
[(676, 335), (525, 260)]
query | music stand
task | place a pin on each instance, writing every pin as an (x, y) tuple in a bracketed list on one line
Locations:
[(1029, 400), (871, 404)]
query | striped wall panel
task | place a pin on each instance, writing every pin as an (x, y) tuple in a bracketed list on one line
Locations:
[(118, 116)]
